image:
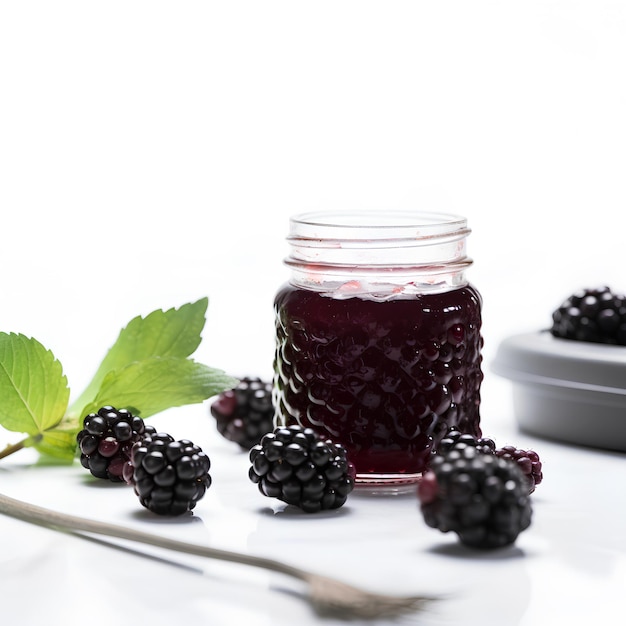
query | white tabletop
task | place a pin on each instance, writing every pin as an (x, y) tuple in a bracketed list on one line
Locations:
[(151, 154), (570, 565)]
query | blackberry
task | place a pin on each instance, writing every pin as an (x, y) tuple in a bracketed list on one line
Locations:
[(246, 413), (298, 467), (169, 476), (482, 498), (454, 438), (106, 441), (594, 315), (527, 460)]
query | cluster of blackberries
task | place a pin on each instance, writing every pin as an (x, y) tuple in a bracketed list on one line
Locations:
[(168, 476), (471, 487), (291, 464), (527, 460), (479, 491), (595, 315), (487, 505)]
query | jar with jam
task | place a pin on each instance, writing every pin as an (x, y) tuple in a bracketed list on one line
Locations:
[(378, 337)]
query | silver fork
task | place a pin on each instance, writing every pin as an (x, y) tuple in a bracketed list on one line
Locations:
[(328, 596)]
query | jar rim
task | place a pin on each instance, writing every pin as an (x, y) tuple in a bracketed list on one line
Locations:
[(390, 226), (377, 218), (394, 248)]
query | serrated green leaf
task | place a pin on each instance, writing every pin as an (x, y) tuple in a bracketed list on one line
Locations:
[(33, 389), (156, 384), (171, 333)]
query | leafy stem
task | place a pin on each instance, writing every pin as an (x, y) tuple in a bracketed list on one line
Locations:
[(16, 447), (148, 368)]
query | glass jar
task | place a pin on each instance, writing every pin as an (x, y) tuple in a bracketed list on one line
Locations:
[(378, 337)]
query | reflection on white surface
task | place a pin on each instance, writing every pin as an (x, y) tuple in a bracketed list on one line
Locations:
[(570, 563)]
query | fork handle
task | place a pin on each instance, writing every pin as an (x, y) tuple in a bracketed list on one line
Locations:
[(73, 523)]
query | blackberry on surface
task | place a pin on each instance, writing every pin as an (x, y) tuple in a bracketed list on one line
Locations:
[(527, 460), (482, 498), (454, 438), (169, 476), (246, 413), (106, 441), (593, 315), (296, 466)]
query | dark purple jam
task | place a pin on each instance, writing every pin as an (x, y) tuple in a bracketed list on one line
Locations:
[(387, 379)]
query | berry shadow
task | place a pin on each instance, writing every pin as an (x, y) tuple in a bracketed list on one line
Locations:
[(144, 515), (459, 551), (102, 483), (292, 512)]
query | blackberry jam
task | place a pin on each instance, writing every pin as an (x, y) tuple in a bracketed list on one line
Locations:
[(378, 342)]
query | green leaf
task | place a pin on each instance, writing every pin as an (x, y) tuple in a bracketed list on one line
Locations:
[(33, 389), (57, 444), (171, 333), (156, 384)]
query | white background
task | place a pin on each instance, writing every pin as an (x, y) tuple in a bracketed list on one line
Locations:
[(151, 153)]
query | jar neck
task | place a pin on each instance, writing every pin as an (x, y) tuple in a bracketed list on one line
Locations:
[(378, 254)]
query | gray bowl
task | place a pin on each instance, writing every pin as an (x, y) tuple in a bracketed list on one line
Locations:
[(570, 391)]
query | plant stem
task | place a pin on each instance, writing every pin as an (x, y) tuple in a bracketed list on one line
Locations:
[(25, 443), (10, 449)]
